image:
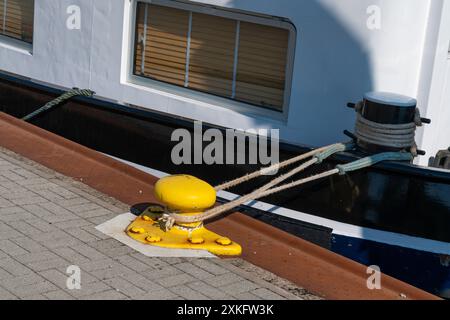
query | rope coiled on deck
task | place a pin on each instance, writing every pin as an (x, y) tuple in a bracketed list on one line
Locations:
[(401, 136)]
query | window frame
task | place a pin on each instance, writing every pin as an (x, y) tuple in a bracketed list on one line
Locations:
[(18, 44), (211, 98)]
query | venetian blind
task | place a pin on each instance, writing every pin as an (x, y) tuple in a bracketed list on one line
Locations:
[(162, 33), (234, 59), (261, 71), (212, 54), (17, 18)]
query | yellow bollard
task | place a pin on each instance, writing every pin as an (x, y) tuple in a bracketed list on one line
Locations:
[(185, 195)]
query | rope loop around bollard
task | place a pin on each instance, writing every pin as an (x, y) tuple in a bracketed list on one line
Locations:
[(398, 136)]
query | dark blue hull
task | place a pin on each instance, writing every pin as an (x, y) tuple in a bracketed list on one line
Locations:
[(426, 270)]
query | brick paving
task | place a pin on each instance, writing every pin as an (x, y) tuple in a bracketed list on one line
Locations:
[(47, 223)]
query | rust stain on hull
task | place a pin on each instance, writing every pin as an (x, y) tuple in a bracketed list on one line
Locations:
[(316, 269)]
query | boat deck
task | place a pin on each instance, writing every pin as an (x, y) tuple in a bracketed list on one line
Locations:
[(47, 223)]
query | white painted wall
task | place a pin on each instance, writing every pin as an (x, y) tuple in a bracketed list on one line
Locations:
[(434, 88), (337, 59)]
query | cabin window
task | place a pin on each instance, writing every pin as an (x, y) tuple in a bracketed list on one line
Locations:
[(217, 54), (16, 19)]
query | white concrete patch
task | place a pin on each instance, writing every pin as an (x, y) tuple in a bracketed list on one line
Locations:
[(115, 229)]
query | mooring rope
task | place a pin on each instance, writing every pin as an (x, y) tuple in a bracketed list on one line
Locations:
[(168, 219), (66, 96), (277, 166), (345, 168)]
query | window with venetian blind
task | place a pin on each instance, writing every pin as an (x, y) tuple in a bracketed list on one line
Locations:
[(16, 19), (236, 59)]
